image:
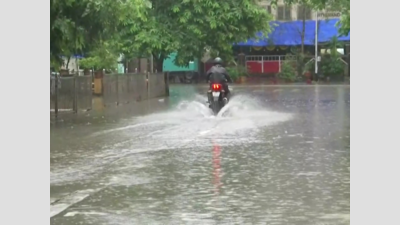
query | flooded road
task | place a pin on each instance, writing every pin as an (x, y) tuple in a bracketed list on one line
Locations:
[(274, 155)]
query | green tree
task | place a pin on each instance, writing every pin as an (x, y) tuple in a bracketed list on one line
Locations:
[(332, 64), (344, 23), (76, 25), (342, 6), (188, 27), (102, 56)]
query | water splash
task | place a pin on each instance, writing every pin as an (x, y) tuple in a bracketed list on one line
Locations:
[(241, 106), (183, 111), (192, 123)]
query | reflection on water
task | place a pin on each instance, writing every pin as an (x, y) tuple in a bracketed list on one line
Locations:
[(217, 167)]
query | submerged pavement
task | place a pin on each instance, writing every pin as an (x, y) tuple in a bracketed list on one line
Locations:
[(275, 155)]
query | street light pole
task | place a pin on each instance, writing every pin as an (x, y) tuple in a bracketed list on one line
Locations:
[(316, 43)]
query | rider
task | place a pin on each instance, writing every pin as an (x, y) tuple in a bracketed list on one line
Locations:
[(218, 74)]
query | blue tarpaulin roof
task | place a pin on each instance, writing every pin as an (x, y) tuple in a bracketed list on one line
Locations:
[(289, 33)]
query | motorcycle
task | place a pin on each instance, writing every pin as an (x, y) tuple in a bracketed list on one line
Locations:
[(217, 98)]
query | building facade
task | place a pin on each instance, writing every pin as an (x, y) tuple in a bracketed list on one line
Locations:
[(283, 12)]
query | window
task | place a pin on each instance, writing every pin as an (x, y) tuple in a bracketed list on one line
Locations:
[(303, 11), (284, 13), (269, 10)]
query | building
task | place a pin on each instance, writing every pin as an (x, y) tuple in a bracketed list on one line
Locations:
[(260, 60), (267, 59), (295, 12)]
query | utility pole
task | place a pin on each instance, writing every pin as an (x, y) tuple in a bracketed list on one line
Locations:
[(316, 43)]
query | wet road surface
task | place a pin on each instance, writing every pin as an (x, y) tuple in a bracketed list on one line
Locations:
[(275, 155)]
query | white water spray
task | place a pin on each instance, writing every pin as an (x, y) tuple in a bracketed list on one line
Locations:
[(193, 121)]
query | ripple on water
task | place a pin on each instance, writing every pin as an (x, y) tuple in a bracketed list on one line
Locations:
[(189, 185)]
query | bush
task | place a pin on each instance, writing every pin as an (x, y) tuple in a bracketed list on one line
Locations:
[(332, 66), (89, 63), (235, 72), (101, 57), (288, 72)]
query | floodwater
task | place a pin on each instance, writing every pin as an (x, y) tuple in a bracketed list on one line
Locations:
[(274, 155)]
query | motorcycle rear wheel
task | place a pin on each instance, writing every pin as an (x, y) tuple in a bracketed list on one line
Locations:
[(215, 107)]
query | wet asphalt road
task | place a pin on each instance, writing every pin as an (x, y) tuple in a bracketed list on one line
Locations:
[(277, 155)]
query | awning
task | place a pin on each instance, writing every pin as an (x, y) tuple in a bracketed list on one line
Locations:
[(289, 33)]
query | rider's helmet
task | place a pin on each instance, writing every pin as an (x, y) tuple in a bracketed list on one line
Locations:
[(218, 61)]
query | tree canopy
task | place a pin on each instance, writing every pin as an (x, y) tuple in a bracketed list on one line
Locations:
[(76, 26), (157, 27), (188, 27), (342, 6)]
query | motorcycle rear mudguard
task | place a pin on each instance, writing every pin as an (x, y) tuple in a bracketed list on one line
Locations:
[(217, 101)]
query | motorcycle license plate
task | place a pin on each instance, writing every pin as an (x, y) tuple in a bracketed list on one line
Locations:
[(215, 94)]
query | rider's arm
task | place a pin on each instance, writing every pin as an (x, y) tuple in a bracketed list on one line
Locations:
[(208, 76), (228, 77)]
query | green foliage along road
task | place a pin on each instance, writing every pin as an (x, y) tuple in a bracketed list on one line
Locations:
[(76, 26), (157, 27)]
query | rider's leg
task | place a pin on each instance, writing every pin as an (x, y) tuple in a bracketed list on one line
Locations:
[(209, 94), (226, 89)]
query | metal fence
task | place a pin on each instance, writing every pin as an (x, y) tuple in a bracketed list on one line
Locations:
[(124, 88), (157, 85), (265, 64), (70, 93), (75, 93)]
